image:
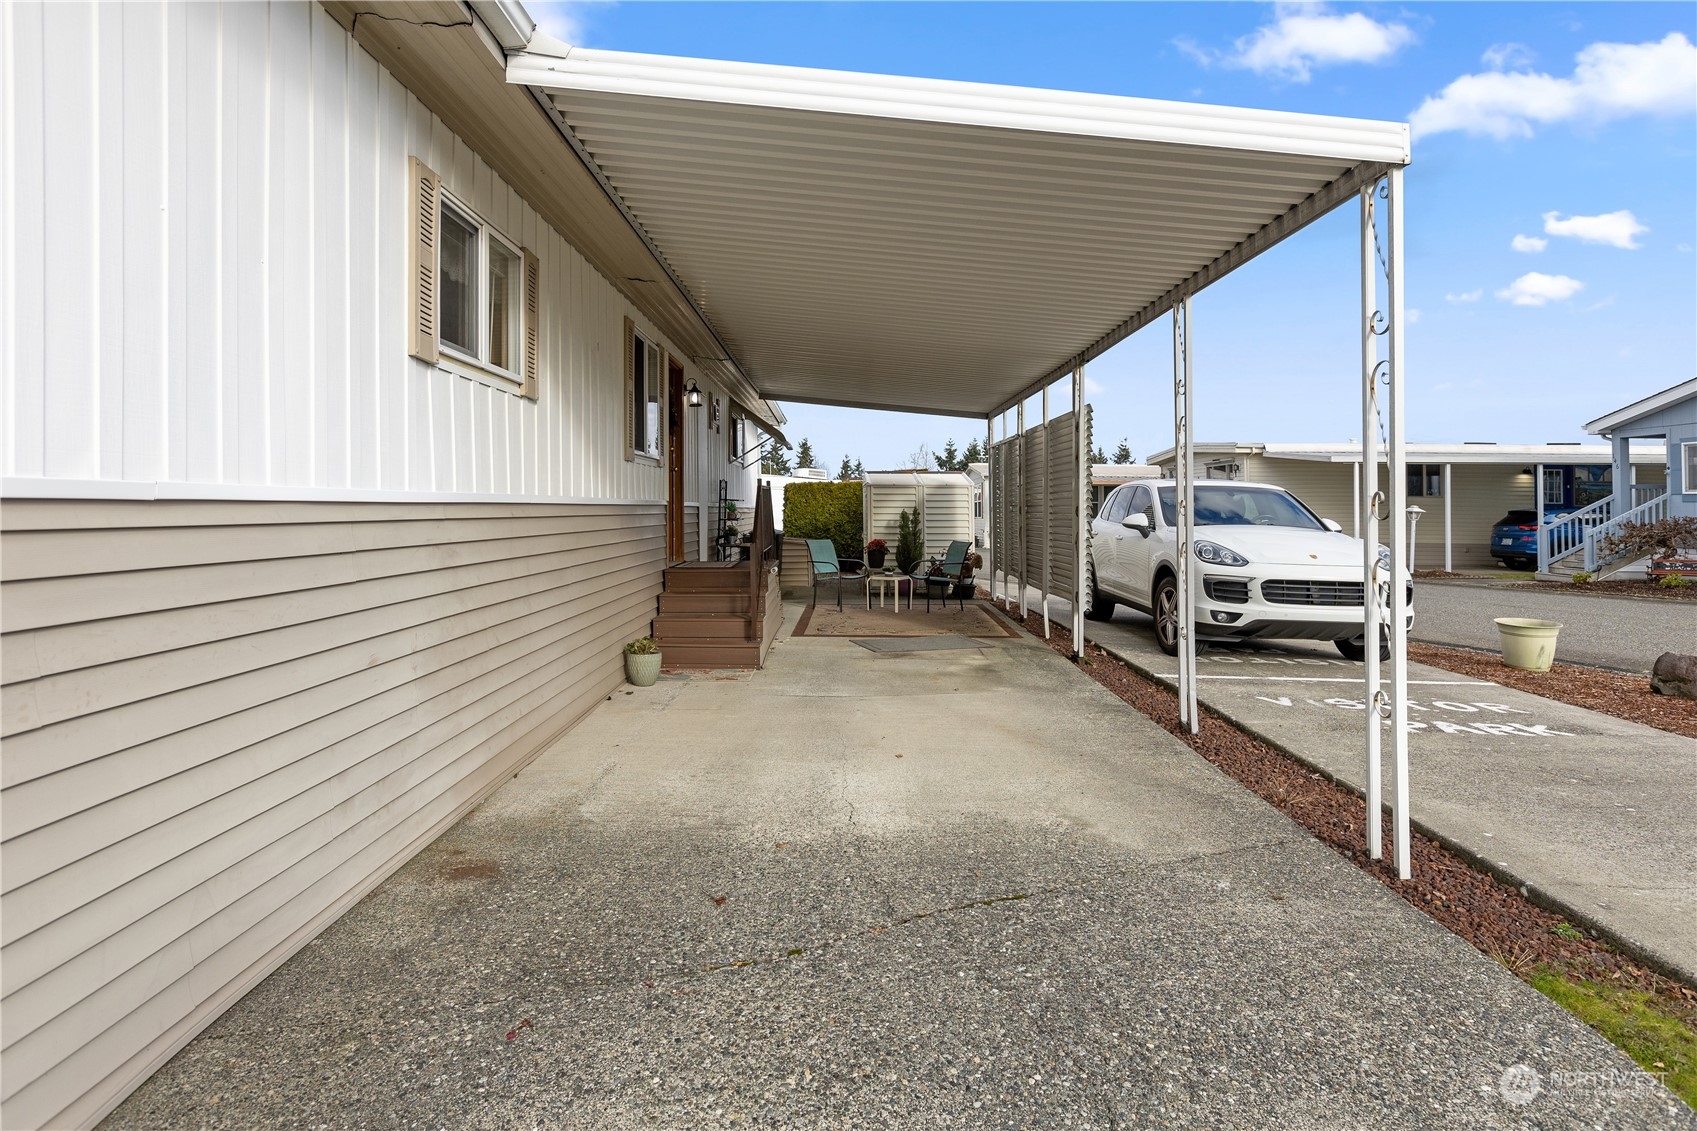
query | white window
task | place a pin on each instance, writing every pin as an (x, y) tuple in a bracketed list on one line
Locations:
[(1555, 492), (1688, 465), (475, 299), (645, 376), (1425, 480)]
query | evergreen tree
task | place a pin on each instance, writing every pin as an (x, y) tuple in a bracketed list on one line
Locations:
[(804, 454), (859, 471), (1097, 455), (950, 459), (846, 471), (1122, 454), (775, 462), (974, 454)]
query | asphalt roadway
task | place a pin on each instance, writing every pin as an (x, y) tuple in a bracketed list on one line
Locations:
[(964, 886), (1625, 633)]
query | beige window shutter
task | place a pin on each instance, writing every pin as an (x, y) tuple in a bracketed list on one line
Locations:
[(532, 322), (424, 217), (630, 389)]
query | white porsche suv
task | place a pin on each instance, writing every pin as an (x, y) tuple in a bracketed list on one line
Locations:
[(1267, 567)]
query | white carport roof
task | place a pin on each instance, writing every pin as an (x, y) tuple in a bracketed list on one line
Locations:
[(928, 245)]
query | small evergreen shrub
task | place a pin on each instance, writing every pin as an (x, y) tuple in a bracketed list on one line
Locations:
[(910, 540)]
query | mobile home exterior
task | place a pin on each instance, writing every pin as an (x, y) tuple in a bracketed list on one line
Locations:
[(1474, 485), (341, 457)]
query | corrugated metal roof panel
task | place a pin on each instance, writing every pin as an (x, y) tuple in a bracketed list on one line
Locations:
[(929, 245)]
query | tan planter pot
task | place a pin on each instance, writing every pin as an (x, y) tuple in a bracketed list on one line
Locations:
[(1529, 645)]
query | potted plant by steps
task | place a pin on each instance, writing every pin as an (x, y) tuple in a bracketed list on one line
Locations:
[(875, 552), (642, 661)]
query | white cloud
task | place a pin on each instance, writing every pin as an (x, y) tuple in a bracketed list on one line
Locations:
[(565, 20), (1411, 315), (1529, 244), (1536, 288), (1609, 80), (1507, 56), (1466, 296), (1616, 229), (1304, 36)]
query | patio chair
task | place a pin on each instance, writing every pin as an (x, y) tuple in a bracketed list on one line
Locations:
[(951, 572), (827, 566)]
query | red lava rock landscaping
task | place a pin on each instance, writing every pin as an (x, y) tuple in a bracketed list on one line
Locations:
[(1612, 693), (1488, 913)]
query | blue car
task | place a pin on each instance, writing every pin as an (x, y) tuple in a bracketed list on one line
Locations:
[(1514, 539)]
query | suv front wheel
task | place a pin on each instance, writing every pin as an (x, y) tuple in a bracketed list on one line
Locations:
[(1355, 650)]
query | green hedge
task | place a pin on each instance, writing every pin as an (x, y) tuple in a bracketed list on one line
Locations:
[(825, 510)]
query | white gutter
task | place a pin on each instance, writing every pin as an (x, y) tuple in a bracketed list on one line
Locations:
[(507, 21)]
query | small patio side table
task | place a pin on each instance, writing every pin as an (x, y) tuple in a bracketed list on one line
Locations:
[(888, 582)]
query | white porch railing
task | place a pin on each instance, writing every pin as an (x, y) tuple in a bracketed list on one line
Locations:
[(1561, 537), (1654, 510), (1644, 492)]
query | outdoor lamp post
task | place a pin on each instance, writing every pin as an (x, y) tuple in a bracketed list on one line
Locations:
[(1414, 514)]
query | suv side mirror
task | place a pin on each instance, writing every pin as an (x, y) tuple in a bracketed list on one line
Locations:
[(1138, 522), (1333, 526)]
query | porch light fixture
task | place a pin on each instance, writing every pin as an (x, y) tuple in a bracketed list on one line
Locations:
[(692, 394)]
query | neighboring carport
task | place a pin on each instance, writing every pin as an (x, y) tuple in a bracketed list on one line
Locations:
[(943, 247)]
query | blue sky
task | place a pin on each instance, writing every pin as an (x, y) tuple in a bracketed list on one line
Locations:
[(1569, 126)]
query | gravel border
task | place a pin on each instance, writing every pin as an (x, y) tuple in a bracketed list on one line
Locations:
[(1495, 917), (1596, 689)]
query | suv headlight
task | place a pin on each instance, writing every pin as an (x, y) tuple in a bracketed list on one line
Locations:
[(1215, 554)]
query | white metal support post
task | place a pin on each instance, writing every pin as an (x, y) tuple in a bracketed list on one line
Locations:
[(1448, 543), (1024, 534), (1183, 488), (1081, 510), (1048, 580), (1401, 550), (990, 554), (1367, 517), (1538, 518)]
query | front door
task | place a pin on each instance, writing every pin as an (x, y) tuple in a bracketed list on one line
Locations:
[(674, 461)]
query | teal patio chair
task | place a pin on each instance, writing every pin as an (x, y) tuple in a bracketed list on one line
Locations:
[(951, 572), (827, 567)]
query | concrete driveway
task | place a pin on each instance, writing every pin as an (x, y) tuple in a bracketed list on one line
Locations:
[(964, 887), (1625, 633)]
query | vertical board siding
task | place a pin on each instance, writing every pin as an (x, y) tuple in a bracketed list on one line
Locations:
[(201, 768), (205, 272)]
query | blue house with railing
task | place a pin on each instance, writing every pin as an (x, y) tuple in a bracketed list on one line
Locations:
[(1669, 416)]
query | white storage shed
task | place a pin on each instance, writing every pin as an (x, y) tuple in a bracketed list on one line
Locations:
[(943, 499)]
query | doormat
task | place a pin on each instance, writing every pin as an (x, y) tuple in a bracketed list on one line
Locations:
[(853, 620), (920, 644)]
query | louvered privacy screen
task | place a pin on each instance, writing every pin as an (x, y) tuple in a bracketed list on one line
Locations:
[(1033, 510)]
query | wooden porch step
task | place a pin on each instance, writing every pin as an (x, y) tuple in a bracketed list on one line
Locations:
[(710, 602), (699, 626), (707, 577), (710, 654)]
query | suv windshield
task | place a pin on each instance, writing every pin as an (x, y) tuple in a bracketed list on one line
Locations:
[(1220, 504)]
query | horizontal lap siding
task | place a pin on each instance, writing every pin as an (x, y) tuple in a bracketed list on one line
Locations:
[(297, 698), (692, 533)]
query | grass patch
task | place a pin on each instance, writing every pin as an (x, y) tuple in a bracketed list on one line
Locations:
[(1633, 1022)]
